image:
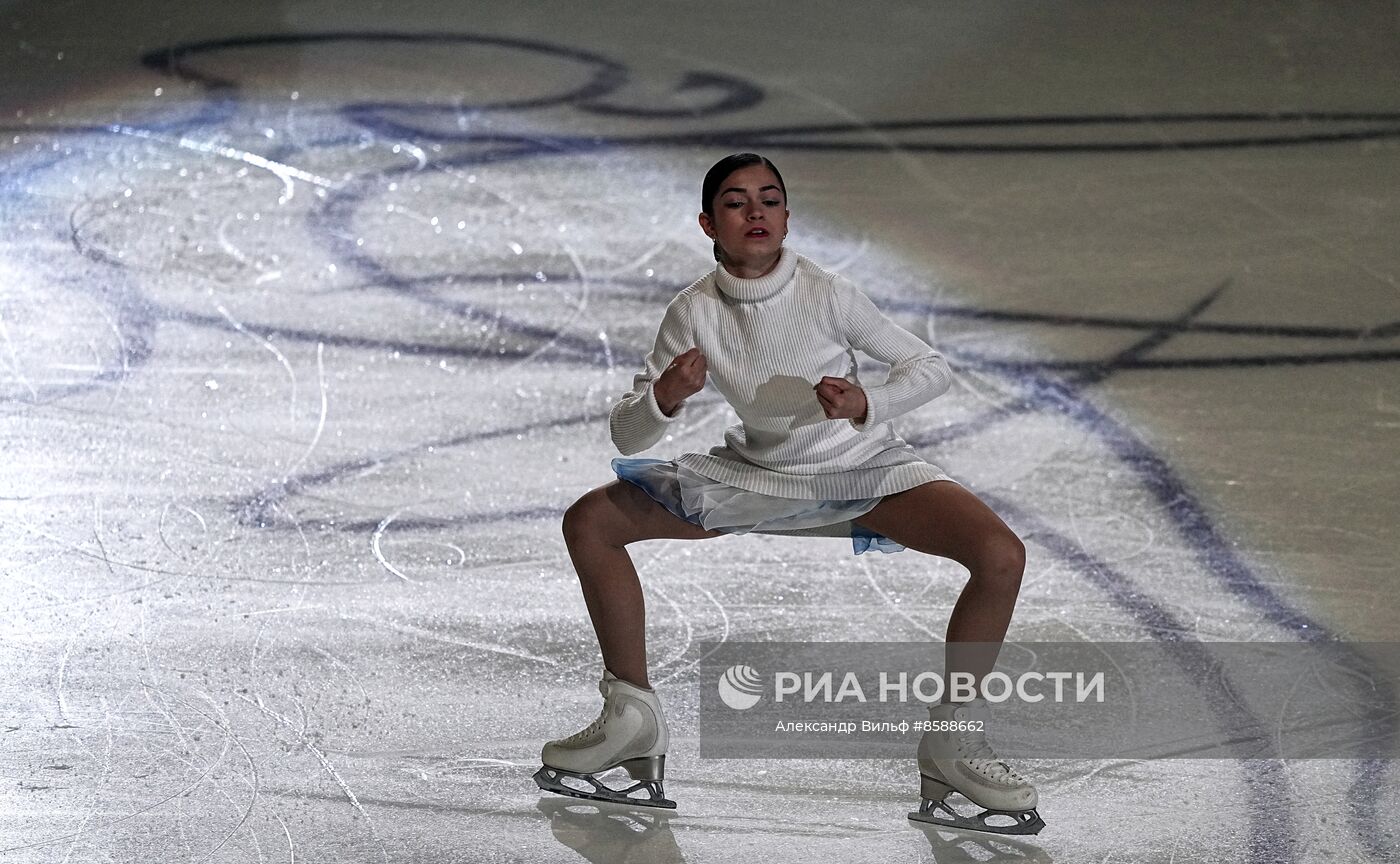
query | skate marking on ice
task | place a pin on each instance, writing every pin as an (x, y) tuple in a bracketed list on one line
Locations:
[(285, 173)]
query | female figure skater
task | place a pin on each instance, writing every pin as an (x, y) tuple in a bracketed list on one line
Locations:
[(814, 454)]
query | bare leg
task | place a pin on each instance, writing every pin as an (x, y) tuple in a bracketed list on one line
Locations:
[(946, 520), (597, 529)]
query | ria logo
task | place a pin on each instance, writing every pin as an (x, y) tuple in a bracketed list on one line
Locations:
[(740, 687)]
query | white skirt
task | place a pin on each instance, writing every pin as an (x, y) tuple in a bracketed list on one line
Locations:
[(718, 506)]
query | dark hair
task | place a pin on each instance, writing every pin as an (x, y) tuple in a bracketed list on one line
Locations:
[(726, 166)]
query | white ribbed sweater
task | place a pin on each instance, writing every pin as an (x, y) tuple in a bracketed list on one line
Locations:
[(766, 342)]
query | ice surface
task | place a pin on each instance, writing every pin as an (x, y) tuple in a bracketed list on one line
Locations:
[(306, 343)]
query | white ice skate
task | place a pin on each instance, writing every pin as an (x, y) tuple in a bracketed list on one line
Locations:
[(630, 733), (954, 756)]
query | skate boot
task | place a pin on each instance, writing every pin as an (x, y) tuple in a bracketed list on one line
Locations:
[(954, 756), (630, 733)]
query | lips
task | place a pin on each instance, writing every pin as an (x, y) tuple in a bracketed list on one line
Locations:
[(756, 232)]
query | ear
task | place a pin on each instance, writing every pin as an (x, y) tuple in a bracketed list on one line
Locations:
[(707, 225)]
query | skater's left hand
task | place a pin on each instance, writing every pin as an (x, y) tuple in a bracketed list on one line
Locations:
[(841, 400)]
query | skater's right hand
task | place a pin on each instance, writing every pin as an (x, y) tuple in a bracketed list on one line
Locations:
[(682, 379)]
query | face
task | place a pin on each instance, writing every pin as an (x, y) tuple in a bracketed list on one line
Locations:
[(750, 219)]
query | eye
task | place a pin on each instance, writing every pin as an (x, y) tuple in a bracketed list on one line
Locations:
[(733, 204), (772, 203)]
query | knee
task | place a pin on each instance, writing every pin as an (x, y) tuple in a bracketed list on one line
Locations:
[(1003, 562), (592, 519), (579, 519)]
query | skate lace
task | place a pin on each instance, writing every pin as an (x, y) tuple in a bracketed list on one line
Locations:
[(588, 730), (973, 747), (593, 727)]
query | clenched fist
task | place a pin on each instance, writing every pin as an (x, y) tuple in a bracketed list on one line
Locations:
[(682, 379), (841, 400)]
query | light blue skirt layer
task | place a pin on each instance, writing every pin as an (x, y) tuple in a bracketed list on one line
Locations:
[(718, 506)]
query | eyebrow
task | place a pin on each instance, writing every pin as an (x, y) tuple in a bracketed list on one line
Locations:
[(742, 190)]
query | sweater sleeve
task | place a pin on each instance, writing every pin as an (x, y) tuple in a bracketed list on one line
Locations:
[(917, 372), (636, 421)]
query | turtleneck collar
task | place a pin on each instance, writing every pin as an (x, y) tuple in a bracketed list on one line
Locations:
[(750, 290)]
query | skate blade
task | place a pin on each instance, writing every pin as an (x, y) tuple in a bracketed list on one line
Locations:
[(551, 780), (936, 812)]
